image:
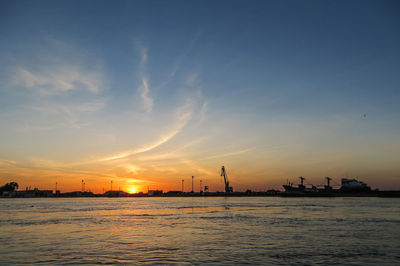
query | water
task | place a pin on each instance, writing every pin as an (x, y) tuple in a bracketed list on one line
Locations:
[(355, 231)]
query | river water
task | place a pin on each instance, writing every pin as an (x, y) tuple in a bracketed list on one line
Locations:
[(219, 231)]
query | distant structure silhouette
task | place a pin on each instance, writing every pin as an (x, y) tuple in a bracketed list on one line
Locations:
[(228, 189), (12, 186)]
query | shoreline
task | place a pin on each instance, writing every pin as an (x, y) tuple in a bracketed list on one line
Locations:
[(121, 194)]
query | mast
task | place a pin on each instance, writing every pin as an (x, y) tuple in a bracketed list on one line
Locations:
[(328, 179), (328, 186), (301, 186)]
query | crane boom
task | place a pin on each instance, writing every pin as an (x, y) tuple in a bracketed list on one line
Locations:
[(228, 189)]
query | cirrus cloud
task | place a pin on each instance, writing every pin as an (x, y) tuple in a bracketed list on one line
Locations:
[(57, 80)]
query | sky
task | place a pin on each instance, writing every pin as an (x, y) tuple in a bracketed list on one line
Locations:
[(147, 93)]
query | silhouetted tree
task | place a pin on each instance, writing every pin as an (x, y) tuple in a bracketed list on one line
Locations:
[(12, 186)]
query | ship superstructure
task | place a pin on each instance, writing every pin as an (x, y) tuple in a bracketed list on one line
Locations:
[(354, 185)]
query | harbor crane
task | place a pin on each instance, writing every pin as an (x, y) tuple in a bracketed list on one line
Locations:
[(228, 189)]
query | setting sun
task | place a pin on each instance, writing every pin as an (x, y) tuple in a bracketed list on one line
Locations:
[(133, 189)]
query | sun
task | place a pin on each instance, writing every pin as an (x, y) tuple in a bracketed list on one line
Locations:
[(133, 189)]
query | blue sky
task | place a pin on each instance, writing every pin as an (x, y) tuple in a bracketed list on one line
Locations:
[(148, 92)]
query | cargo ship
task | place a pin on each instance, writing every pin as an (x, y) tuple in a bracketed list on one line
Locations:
[(348, 186)]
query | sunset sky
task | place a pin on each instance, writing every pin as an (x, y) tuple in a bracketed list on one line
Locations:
[(147, 93)]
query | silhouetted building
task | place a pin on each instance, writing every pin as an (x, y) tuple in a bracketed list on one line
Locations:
[(174, 193), (31, 193), (77, 194), (116, 193), (154, 192)]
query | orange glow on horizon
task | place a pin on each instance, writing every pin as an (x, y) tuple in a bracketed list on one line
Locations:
[(133, 189)]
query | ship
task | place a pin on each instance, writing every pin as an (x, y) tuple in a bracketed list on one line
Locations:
[(289, 187), (348, 186)]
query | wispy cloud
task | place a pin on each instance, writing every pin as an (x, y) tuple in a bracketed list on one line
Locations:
[(144, 94), (176, 153), (143, 59), (7, 163), (192, 164), (183, 56), (144, 88), (58, 79), (203, 112), (182, 114), (148, 147), (227, 154), (67, 114), (131, 168), (45, 163), (57, 93), (191, 79)]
